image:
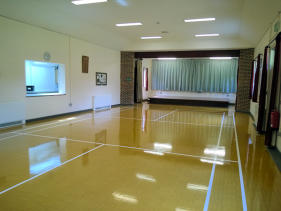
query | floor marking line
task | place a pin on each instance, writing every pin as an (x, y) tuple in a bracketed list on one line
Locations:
[(164, 115), (207, 201), (58, 123), (173, 153), (166, 121), (243, 194), (143, 149), (53, 137), (1, 139), (33, 131), (25, 181)]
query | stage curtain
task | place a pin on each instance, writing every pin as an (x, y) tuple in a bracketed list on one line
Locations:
[(195, 75)]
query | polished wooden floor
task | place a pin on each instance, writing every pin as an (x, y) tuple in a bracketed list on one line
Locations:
[(144, 157)]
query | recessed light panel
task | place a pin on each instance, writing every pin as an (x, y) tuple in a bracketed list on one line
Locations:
[(199, 20), (154, 37), (167, 58), (220, 58), (207, 35), (128, 24), (81, 2)]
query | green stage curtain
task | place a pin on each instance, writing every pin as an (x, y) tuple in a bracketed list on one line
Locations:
[(195, 75)]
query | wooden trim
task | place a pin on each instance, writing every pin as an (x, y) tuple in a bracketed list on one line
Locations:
[(257, 79), (188, 54), (85, 64), (262, 92), (276, 68)]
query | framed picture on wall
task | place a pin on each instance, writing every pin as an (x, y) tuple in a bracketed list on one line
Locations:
[(101, 79), (85, 64)]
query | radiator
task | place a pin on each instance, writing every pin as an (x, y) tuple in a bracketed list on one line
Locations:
[(12, 113), (101, 102)]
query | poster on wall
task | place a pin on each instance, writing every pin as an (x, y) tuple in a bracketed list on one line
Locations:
[(101, 79)]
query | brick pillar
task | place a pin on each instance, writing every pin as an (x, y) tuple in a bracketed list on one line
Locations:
[(127, 78), (244, 80)]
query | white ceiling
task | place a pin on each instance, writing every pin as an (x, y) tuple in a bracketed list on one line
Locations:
[(241, 23)]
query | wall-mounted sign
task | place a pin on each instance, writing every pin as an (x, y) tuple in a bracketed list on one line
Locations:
[(101, 79), (128, 79)]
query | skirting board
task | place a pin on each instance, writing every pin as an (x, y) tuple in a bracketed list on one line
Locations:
[(65, 114), (11, 124)]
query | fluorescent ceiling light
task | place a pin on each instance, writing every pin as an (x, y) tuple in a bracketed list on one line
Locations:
[(207, 35), (197, 187), (166, 58), (147, 38), (81, 2), (220, 58), (199, 20), (146, 177), (128, 24)]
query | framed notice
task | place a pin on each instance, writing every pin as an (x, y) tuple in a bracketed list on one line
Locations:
[(101, 79)]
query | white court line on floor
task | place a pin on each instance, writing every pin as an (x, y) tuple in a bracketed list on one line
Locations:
[(58, 123), (53, 137), (243, 194), (164, 115), (202, 111), (7, 137), (32, 178), (136, 148), (207, 201), (109, 117), (80, 120), (166, 121)]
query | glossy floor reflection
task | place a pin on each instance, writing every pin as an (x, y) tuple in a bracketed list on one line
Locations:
[(142, 157)]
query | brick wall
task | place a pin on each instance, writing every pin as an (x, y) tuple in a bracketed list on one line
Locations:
[(244, 78), (127, 78)]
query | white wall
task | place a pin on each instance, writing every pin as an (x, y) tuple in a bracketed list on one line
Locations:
[(231, 98), (20, 42)]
